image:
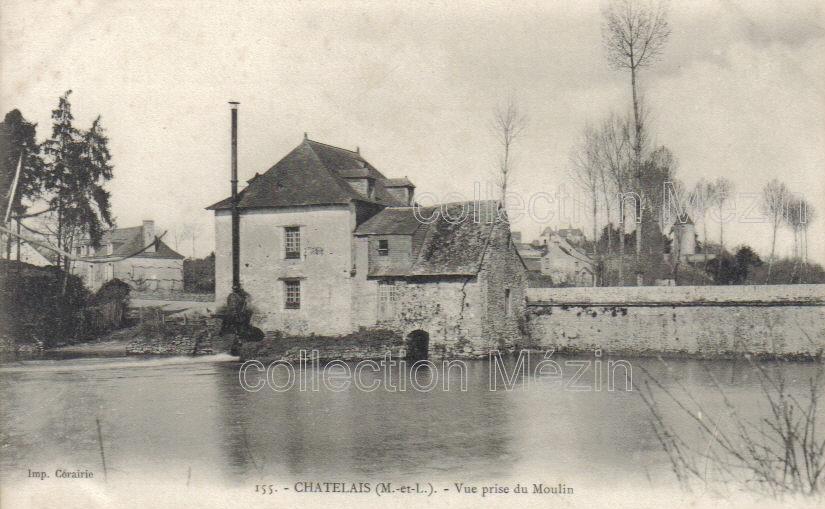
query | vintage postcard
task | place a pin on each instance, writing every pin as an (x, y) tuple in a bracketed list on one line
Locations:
[(412, 254)]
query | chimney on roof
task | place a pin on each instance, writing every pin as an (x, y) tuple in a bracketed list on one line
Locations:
[(148, 229), (306, 137), (357, 150)]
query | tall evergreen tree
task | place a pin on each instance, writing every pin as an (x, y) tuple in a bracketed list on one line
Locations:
[(79, 167), (18, 144)]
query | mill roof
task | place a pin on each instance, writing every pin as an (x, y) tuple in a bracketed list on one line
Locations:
[(447, 246), (313, 173)]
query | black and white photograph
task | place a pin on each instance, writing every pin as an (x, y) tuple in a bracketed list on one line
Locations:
[(457, 254)]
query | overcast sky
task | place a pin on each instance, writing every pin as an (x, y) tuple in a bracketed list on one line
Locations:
[(739, 92)]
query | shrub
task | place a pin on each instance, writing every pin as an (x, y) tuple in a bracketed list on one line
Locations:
[(40, 303), (199, 275), (107, 308)]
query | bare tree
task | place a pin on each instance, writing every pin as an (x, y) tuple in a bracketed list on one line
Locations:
[(780, 453), (178, 234), (795, 218), (700, 204), (587, 173), (810, 215), (775, 196), (608, 198), (190, 231), (722, 189), (509, 123), (683, 202), (634, 34), (615, 143)]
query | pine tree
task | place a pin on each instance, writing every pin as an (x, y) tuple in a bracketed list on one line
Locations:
[(18, 143), (79, 167)]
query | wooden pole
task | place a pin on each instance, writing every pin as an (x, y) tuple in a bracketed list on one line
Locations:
[(102, 454)]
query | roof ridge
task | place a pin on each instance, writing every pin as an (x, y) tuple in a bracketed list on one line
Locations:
[(334, 146)]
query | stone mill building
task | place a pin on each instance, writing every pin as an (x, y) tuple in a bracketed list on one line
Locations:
[(330, 246)]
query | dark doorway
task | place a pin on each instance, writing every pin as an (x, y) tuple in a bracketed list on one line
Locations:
[(418, 345)]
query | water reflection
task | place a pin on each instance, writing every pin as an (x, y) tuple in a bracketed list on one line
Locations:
[(355, 433), (189, 418)]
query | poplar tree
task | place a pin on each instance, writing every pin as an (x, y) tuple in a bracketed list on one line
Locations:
[(634, 34), (775, 197)]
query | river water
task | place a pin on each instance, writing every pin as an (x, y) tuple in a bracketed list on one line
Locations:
[(188, 422)]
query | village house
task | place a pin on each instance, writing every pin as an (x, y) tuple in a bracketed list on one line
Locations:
[(329, 245), (558, 257), (572, 235), (133, 255)]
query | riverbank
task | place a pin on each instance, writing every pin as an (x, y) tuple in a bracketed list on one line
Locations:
[(362, 345), (200, 336)]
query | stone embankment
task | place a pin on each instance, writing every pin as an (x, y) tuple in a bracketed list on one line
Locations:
[(178, 336), (361, 345)]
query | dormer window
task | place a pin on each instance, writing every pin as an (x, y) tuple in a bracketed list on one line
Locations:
[(383, 247), (365, 186), (401, 189)]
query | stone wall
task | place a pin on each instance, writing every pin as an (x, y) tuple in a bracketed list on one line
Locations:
[(503, 273), (448, 309), (142, 273), (703, 321), (151, 274), (465, 316), (323, 267), (172, 296), (365, 344), (181, 336), (678, 294)]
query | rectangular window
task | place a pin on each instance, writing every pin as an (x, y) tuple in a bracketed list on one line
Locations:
[(292, 294), (506, 302), (387, 297), (292, 242), (383, 247)]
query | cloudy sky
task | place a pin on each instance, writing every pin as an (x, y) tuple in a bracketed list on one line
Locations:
[(738, 92)]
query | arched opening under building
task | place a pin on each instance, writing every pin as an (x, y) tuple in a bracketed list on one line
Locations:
[(417, 345)]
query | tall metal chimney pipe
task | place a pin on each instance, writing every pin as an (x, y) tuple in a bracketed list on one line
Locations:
[(236, 224)]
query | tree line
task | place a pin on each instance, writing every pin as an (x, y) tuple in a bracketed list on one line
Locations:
[(626, 177)]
